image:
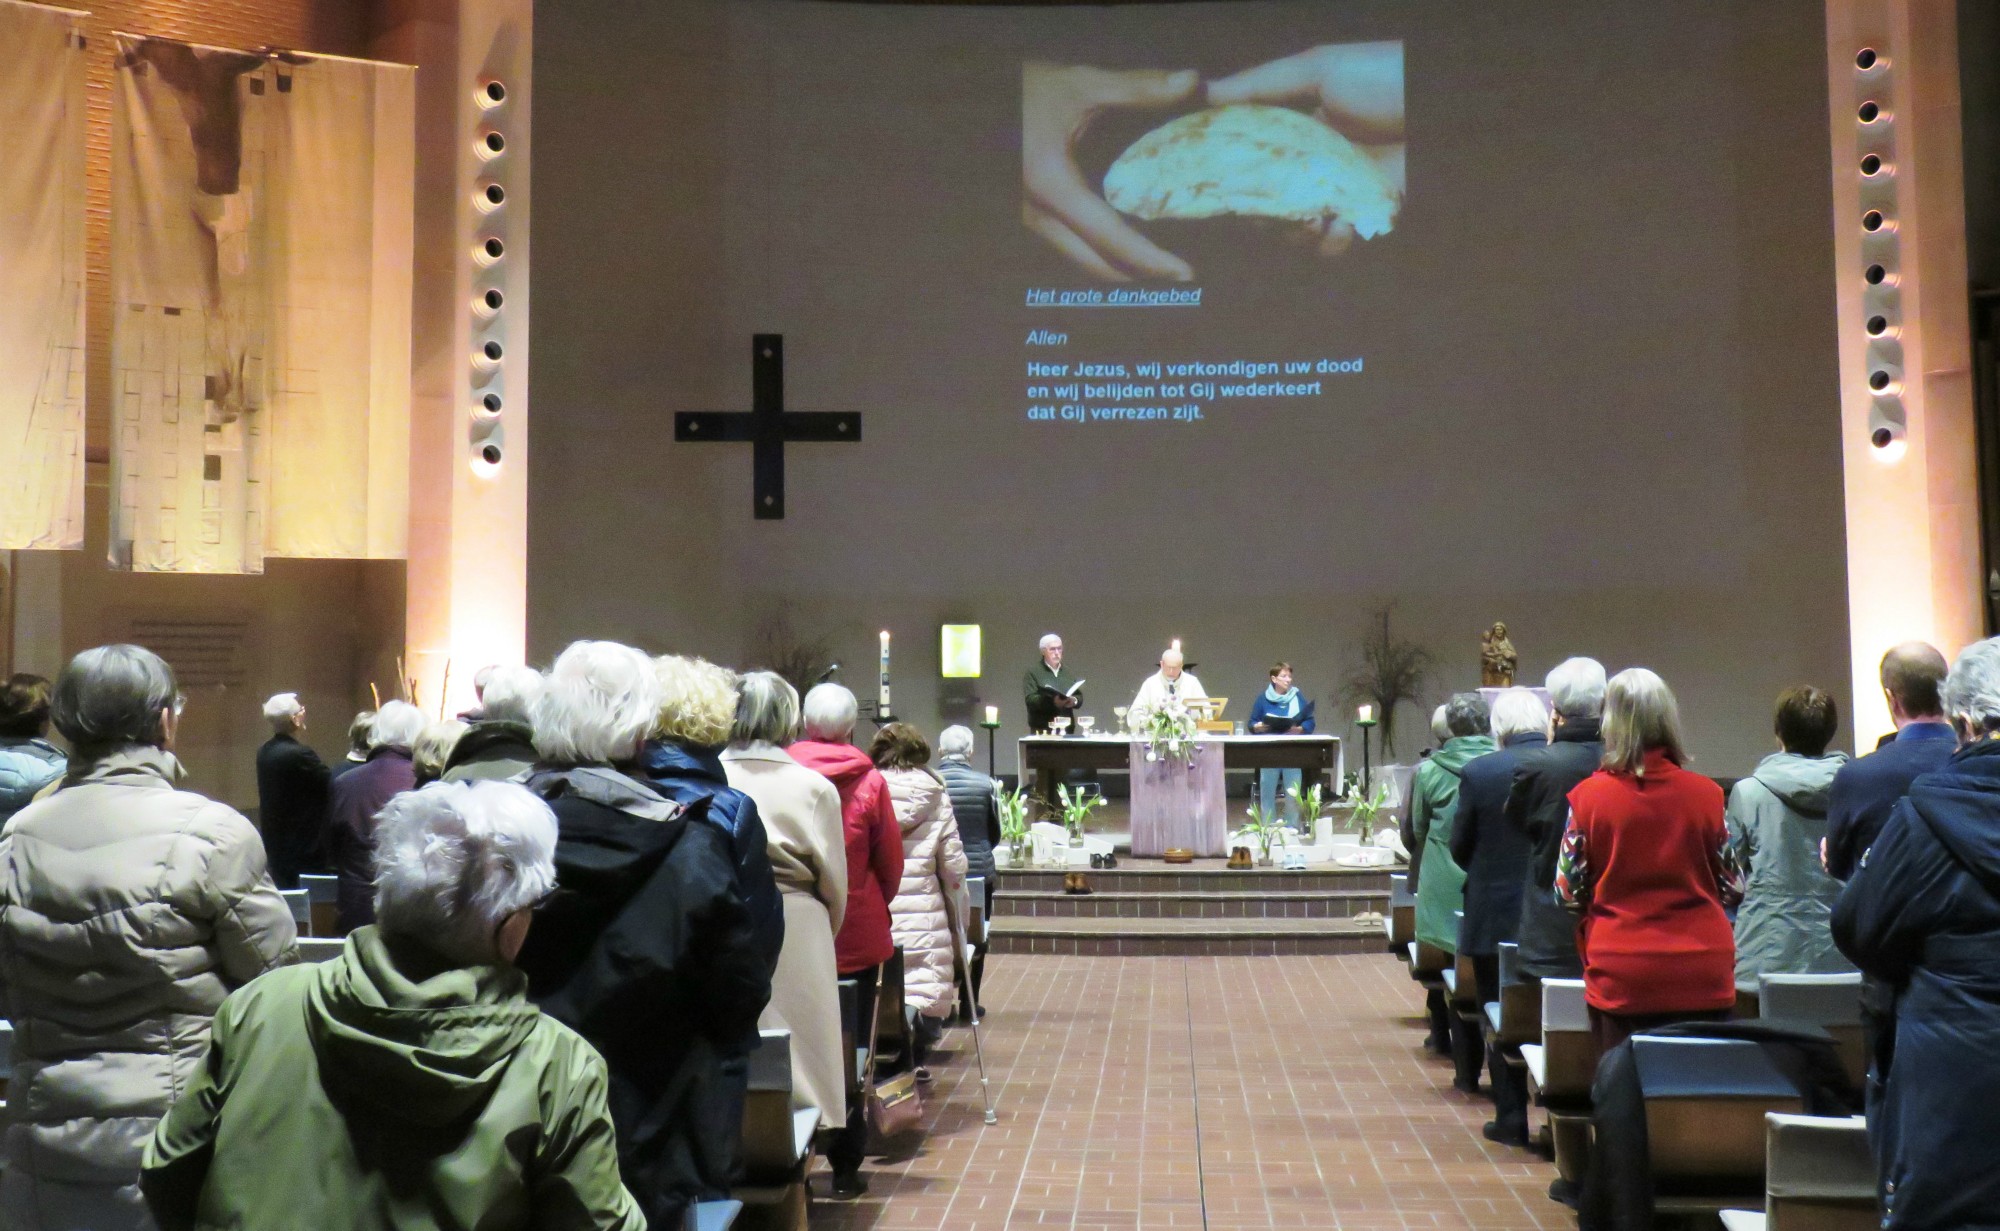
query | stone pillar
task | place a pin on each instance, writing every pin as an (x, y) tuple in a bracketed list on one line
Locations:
[(1913, 547), (466, 602)]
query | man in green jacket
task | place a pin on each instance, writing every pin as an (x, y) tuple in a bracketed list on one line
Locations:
[(1433, 805), (1050, 691), (408, 1083)]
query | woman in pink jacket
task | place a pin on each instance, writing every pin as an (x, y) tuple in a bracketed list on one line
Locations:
[(921, 915), (874, 873)]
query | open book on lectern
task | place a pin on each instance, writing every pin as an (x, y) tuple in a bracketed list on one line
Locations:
[(1069, 692)]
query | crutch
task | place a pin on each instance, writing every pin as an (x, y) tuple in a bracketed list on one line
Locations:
[(963, 971)]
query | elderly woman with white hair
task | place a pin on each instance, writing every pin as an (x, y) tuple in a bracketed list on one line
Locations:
[(647, 948), (874, 847), (1647, 863), (408, 1082), (128, 911), (800, 812), (357, 798), (1922, 914), (975, 801), (500, 743), (292, 793), (1493, 854)]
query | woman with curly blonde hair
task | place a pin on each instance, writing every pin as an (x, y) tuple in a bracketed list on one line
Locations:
[(682, 761)]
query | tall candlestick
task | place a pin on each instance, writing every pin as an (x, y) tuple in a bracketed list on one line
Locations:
[(882, 701)]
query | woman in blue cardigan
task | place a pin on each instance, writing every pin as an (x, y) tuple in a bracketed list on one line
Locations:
[(1280, 709)]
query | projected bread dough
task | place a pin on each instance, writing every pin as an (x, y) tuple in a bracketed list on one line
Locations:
[(1252, 160)]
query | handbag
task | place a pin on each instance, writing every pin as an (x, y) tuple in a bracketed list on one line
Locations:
[(895, 1108)]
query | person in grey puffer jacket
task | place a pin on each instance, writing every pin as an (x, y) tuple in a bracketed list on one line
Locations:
[(29, 764), (1777, 819), (128, 911)]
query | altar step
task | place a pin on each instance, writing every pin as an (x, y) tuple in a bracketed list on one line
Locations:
[(1183, 937), (1209, 877), (1114, 903)]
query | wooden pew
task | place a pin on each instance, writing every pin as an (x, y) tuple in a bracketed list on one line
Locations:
[(1512, 1016), (1560, 1070), (323, 903), (320, 948), (301, 909), (1831, 1002), (1468, 1034), (1401, 922), (777, 1141), (1705, 1102), (895, 1032), (1819, 1175)]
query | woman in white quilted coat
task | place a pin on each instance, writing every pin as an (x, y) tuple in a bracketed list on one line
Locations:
[(128, 911), (927, 903)]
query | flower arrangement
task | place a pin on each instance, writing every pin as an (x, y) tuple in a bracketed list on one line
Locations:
[(1170, 733), (1366, 810), (1076, 809), (1014, 818), (1267, 828), (1311, 802)]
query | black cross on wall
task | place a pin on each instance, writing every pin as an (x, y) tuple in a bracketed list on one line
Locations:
[(768, 426)]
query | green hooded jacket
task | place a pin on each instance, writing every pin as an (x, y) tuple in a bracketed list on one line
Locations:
[(1433, 805), (388, 1088)]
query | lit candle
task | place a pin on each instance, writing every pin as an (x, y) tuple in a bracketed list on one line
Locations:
[(992, 715), (1367, 713), (882, 702), (1177, 645)]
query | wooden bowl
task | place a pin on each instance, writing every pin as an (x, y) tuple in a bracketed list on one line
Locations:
[(1178, 854)]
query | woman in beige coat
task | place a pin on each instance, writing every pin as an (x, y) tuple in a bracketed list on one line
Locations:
[(128, 911), (925, 913), (802, 832)]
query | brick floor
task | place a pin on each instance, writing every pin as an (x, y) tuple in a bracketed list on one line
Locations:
[(1216, 1093)]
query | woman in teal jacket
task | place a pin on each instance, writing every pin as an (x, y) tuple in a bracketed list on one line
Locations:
[(1433, 803)]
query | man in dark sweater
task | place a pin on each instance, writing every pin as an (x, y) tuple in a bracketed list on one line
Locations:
[(1866, 789), (291, 794), (1538, 807)]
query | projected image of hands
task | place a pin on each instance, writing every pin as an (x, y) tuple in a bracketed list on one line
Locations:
[(1310, 146)]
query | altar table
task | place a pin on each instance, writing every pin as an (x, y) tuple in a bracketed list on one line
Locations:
[(1044, 759)]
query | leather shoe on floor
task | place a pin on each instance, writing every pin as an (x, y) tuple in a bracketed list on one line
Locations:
[(848, 1185), (1506, 1135)]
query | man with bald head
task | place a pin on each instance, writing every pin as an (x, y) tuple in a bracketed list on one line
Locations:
[(1865, 790), (1170, 683)]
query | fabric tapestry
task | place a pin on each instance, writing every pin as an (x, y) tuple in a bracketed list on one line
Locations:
[(41, 276), (261, 255)]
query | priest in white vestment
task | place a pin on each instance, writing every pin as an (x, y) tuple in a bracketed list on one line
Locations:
[(1169, 683)]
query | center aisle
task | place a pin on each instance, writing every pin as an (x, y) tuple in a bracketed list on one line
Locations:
[(1221, 1093)]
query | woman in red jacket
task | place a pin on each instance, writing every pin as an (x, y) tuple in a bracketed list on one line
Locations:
[(1646, 863), (874, 873)]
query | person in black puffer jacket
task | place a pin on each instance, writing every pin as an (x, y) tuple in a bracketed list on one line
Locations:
[(1922, 914), (647, 948), (975, 802)]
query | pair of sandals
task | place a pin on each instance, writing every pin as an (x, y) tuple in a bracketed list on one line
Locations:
[(1105, 860)]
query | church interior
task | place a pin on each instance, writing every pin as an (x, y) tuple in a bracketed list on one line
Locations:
[(563, 667)]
